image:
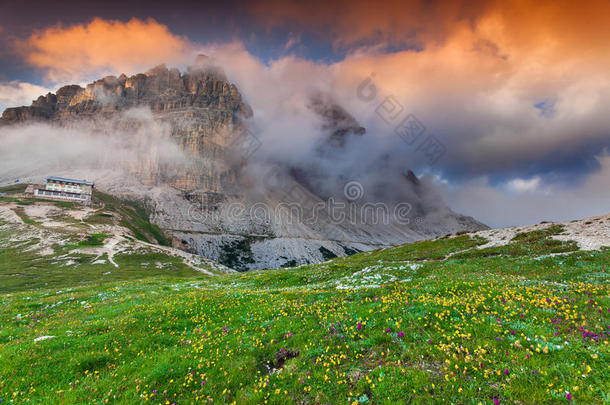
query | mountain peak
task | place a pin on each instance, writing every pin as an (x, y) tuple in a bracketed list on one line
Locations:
[(203, 85)]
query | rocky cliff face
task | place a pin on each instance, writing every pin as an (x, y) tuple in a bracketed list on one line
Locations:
[(200, 106), (211, 203)]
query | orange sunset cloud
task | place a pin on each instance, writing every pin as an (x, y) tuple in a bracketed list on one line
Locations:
[(102, 47), (578, 26)]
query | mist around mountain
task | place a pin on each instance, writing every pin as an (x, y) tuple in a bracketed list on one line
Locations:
[(187, 146)]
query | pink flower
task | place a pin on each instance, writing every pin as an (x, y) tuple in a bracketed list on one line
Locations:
[(401, 334), (568, 396), (496, 401)]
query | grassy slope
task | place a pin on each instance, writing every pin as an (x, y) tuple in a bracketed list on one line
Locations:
[(23, 268), (134, 217), (402, 324)]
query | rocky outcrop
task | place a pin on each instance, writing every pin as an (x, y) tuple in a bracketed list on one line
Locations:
[(337, 123)]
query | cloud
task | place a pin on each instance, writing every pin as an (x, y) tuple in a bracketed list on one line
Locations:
[(123, 150), (524, 185), (16, 93), (103, 47), (482, 106), (544, 23), (555, 202), (293, 40), (508, 87)]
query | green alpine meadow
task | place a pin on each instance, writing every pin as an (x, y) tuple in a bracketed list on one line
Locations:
[(456, 319)]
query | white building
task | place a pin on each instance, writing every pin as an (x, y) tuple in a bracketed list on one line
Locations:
[(66, 189)]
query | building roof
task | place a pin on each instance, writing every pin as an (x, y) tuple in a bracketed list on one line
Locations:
[(65, 180)]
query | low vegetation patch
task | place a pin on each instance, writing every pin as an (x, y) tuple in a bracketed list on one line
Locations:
[(21, 214), (95, 239), (13, 189), (539, 242), (101, 218), (135, 217)]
